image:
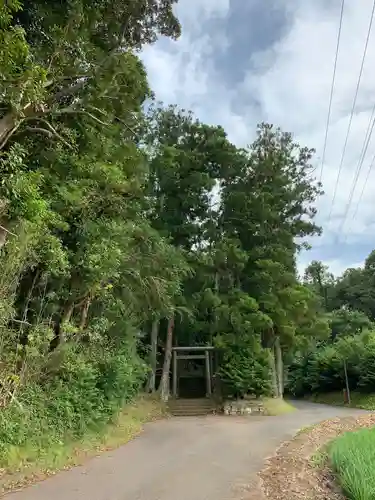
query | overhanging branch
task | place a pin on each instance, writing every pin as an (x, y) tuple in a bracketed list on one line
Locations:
[(7, 230)]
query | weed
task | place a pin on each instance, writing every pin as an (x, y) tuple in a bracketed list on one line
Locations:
[(320, 458)]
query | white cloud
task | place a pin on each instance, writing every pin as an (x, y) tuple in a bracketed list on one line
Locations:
[(293, 90), (182, 72), (290, 82), (193, 12)]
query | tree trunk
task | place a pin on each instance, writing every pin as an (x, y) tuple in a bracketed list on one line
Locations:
[(164, 383), (3, 236), (3, 229), (151, 384), (65, 318), (84, 313), (7, 125), (275, 388), (279, 367)]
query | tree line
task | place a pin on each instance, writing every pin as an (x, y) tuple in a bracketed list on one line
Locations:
[(347, 302)]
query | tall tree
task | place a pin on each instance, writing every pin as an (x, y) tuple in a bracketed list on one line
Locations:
[(68, 67), (344, 322), (317, 275), (268, 203), (186, 158), (355, 290), (60, 53)]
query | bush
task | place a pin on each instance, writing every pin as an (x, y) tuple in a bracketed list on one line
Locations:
[(322, 369), (246, 370), (88, 390)]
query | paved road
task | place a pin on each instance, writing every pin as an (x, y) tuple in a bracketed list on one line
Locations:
[(188, 458)]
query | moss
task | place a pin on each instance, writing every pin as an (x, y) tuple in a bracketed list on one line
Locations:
[(277, 406)]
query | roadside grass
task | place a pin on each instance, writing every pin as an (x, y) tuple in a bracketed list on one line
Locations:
[(305, 429), (320, 457), (358, 400), (277, 406), (352, 457), (29, 463)]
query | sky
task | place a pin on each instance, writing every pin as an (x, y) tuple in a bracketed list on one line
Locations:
[(242, 62)]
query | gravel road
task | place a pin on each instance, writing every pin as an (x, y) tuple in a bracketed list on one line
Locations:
[(187, 458)]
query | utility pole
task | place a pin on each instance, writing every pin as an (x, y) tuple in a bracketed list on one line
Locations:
[(347, 382)]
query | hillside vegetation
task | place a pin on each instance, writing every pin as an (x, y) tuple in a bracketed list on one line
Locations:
[(346, 359)]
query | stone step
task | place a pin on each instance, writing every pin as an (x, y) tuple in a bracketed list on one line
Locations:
[(191, 402), (191, 407), (191, 413)]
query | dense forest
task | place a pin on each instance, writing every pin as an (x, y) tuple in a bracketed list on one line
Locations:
[(127, 227)]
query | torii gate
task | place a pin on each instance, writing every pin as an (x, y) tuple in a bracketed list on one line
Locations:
[(193, 352)]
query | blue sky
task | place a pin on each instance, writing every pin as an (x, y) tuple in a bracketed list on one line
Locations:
[(240, 62)]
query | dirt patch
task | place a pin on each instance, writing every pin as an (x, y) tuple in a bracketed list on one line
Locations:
[(291, 475)]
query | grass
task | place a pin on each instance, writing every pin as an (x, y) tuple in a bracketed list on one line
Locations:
[(353, 459), (320, 457), (305, 429), (358, 400), (277, 406), (24, 465)]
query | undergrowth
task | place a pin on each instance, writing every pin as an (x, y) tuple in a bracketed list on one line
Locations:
[(364, 401), (86, 394)]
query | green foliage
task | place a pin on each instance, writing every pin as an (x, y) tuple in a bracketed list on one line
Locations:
[(355, 290), (187, 158), (365, 401), (83, 270), (109, 224), (353, 459), (344, 322), (348, 305), (246, 370), (322, 369), (277, 406), (88, 390), (321, 281)]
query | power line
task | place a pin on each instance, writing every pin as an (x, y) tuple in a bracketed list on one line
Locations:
[(352, 111), (332, 89), (366, 142), (364, 185), (371, 165)]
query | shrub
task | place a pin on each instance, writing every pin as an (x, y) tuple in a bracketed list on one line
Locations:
[(322, 369), (87, 391), (246, 370)]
